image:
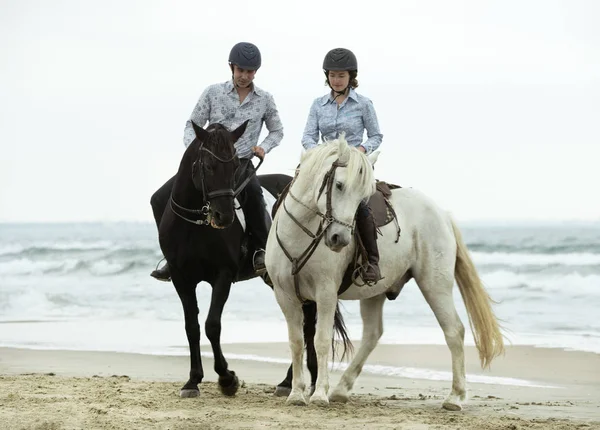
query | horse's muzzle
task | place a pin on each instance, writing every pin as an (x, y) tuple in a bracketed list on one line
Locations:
[(220, 220), (336, 241)]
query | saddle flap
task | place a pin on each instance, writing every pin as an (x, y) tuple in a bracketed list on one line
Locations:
[(380, 205)]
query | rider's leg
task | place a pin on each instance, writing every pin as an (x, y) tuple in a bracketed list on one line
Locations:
[(159, 201), (368, 235), (257, 219)]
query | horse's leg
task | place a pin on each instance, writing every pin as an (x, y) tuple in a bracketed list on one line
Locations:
[(284, 388), (187, 295), (371, 311), (310, 315), (228, 381), (326, 304), (437, 290), (292, 310), (310, 322)]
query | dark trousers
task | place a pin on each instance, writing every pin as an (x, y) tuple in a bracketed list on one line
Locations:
[(363, 209), (253, 204), (366, 227), (160, 199)]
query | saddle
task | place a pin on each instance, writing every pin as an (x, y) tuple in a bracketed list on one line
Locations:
[(380, 205)]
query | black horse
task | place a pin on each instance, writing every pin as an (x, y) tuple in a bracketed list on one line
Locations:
[(202, 240)]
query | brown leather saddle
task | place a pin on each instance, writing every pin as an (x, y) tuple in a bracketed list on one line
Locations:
[(380, 205)]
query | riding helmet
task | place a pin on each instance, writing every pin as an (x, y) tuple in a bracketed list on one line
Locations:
[(245, 55), (340, 59)]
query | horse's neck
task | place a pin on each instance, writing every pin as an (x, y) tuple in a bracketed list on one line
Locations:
[(184, 192)]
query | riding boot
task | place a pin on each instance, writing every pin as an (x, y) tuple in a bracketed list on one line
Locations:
[(368, 235), (162, 274)]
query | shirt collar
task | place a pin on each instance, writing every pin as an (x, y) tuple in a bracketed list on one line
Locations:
[(231, 88), (328, 98)]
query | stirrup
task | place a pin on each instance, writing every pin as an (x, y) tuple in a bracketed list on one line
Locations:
[(259, 269), (159, 274), (359, 272)]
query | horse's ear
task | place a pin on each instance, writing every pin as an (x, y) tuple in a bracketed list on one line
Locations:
[(201, 134), (237, 133), (373, 157)]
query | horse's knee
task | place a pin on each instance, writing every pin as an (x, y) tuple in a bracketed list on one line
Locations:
[(455, 335), (212, 328)]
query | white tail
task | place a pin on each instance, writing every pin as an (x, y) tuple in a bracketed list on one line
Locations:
[(483, 322)]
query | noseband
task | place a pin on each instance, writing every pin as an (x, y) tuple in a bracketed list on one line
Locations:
[(198, 166), (327, 220)]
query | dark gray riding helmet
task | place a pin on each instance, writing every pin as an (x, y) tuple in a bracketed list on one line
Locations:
[(245, 55), (339, 59)]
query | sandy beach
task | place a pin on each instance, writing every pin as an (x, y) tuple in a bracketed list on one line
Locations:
[(43, 389)]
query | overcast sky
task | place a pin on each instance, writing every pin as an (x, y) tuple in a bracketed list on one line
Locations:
[(492, 108)]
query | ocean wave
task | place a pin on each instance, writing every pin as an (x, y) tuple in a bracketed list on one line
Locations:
[(26, 266), (525, 259), (519, 248), (45, 248), (525, 286), (105, 248)]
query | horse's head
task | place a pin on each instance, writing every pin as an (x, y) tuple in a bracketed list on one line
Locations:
[(213, 171), (345, 177)]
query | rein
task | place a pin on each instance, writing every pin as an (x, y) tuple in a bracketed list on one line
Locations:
[(326, 220)]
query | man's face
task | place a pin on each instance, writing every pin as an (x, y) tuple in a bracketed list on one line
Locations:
[(242, 77)]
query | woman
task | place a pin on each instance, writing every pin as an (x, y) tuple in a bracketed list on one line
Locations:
[(344, 110)]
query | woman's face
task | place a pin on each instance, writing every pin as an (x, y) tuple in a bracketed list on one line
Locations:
[(339, 80)]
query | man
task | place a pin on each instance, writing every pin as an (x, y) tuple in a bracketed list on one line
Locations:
[(230, 104)]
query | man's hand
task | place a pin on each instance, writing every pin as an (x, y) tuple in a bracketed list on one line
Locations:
[(259, 152), (362, 149)]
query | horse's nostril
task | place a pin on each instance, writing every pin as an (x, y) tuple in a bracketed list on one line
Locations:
[(217, 216), (335, 239)]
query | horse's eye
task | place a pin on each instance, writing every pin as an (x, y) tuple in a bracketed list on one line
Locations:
[(339, 185)]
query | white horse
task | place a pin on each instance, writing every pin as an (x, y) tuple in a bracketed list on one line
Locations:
[(331, 181)]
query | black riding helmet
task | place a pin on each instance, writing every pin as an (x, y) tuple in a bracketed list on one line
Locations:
[(245, 55), (340, 59)]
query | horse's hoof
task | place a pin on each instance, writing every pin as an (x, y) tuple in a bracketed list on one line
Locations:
[(229, 389), (452, 407), (282, 391), (319, 401), (296, 400), (187, 393), (454, 402), (338, 397)]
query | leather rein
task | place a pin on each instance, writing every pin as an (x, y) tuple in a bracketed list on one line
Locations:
[(326, 220)]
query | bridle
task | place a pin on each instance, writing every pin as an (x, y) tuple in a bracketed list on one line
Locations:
[(198, 168), (327, 219)]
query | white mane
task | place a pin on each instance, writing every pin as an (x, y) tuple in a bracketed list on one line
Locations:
[(316, 161)]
